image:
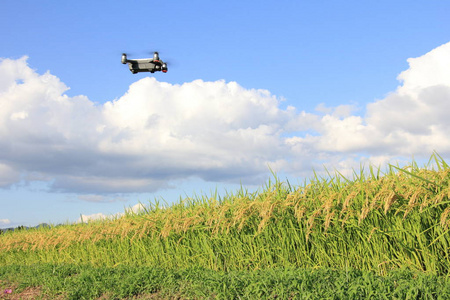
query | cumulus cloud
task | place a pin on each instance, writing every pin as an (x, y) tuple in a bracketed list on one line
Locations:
[(155, 133), (410, 121), (4, 222), (158, 132), (139, 207), (414, 119), (93, 217)]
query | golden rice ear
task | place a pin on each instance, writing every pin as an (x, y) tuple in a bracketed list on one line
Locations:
[(328, 219), (445, 221), (364, 212), (348, 199), (390, 199)]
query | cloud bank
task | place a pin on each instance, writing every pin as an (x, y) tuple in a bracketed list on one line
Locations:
[(158, 132)]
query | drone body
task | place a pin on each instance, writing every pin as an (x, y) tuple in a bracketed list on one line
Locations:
[(151, 65)]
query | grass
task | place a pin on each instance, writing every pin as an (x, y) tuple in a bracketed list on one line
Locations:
[(87, 282), (375, 223)]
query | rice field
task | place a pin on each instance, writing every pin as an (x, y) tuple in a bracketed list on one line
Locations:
[(373, 222), (376, 222)]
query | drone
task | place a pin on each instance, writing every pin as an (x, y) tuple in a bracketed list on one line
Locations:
[(151, 65)]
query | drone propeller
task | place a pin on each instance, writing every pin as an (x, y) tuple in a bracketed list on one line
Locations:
[(155, 50), (128, 53), (171, 63)]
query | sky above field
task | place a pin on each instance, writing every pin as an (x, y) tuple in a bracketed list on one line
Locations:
[(253, 87)]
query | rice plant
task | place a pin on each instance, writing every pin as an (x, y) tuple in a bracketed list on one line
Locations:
[(376, 221)]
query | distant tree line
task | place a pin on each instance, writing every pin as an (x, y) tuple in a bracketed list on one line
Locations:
[(21, 227)]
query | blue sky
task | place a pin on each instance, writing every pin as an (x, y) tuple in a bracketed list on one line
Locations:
[(293, 85)]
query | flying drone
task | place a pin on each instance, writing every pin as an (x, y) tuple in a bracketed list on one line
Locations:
[(151, 65)]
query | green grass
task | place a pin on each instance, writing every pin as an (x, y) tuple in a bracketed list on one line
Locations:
[(375, 223), (87, 282)]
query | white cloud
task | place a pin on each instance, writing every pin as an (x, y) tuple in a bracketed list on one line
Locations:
[(93, 217), (153, 134), (429, 70), (4, 222), (410, 121), (158, 132), (414, 118), (138, 207)]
